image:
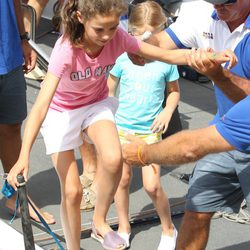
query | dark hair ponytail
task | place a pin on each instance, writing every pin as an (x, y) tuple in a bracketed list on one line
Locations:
[(73, 29)]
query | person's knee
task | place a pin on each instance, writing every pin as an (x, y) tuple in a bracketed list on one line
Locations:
[(73, 194), (196, 219), (112, 161), (152, 188), (125, 181)]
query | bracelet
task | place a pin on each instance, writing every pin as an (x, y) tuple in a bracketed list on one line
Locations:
[(139, 155), (140, 158)]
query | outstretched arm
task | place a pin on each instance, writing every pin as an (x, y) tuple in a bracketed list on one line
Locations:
[(183, 147), (181, 56)]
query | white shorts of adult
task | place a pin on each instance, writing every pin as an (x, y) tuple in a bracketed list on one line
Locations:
[(62, 131)]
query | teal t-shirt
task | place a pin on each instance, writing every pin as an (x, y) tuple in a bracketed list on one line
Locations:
[(141, 92)]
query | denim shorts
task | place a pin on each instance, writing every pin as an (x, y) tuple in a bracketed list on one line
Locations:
[(220, 182), (13, 107)]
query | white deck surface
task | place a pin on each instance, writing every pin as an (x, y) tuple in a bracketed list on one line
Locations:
[(11, 239)]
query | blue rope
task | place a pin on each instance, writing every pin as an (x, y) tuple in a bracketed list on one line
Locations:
[(46, 226), (16, 207)]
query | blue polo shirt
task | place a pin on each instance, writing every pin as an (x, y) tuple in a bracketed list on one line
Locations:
[(234, 126), (208, 30), (10, 46)]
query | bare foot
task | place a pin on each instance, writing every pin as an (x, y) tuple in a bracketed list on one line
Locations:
[(10, 204)]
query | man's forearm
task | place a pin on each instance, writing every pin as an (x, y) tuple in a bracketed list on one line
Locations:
[(234, 87), (184, 147)]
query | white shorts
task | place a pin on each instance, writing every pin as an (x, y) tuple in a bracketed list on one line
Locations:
[(62, 131)]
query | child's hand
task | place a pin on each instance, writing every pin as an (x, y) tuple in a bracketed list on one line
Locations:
[(161, 122), (225, 56), (18, 168)]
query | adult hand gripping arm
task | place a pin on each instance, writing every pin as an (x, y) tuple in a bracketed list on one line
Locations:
[(183, 147), (235, 87)]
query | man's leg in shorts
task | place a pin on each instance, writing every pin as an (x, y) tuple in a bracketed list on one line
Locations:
[(214, 186), (12, 113)]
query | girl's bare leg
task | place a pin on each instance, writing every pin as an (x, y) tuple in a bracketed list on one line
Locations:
[(71, 194), (105, 137), (122, 200), (152, 185)]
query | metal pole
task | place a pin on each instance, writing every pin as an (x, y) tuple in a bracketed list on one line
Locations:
[(25, 216)]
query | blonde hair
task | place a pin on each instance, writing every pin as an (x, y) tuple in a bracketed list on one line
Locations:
[(147, 13), (73, 29)]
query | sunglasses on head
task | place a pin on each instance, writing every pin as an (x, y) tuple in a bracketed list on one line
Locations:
[(229, 2)]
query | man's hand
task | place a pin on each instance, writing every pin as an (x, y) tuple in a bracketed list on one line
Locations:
[(130, 150), (200, 61), (208, 65), (29, 56)]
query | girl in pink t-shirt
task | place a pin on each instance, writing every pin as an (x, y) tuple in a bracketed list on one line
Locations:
[(74, 101)]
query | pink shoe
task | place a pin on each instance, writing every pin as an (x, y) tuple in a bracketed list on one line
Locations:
[(110, 241)]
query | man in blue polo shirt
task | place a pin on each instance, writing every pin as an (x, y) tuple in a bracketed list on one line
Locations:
[(223, 186), (16, 55)]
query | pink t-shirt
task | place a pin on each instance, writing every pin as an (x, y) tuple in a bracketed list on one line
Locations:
[(83, 80)]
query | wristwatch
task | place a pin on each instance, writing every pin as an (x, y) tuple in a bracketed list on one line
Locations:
[(25, 36)]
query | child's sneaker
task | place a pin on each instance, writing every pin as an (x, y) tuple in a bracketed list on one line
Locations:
[(167, 242), (126, 238)]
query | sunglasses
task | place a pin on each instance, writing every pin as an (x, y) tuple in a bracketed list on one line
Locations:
[(229, 2)]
